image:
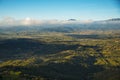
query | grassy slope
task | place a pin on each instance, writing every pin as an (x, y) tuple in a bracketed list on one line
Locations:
[(60, 56)]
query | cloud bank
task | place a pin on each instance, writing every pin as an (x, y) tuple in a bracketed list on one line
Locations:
[(9, 21)]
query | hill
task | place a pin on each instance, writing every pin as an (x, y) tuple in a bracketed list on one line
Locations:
[(66, 52)]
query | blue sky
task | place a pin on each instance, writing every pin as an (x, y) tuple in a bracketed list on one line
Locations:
[(60, 9)]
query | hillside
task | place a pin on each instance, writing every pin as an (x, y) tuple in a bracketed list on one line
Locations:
[(64, 52)]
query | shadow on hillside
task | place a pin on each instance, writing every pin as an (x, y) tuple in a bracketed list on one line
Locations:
[(60, 71), (12, 47), (89, 36)]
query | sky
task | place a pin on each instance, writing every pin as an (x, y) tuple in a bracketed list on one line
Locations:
[(60, 9)]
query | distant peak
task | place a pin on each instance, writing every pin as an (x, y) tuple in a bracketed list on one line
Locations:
[(72, 20), (114, 19)]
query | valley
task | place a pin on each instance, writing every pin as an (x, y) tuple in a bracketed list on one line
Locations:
[(83, 55)]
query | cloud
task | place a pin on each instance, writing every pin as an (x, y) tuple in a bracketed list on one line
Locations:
[(9, 21)]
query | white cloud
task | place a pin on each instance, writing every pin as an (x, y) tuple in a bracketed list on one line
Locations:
[(9, 21)]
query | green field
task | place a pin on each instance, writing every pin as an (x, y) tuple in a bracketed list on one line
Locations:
[(83, 55)]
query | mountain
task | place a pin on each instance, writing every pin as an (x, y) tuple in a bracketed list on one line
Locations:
[(72, 20), (110, 24), (67, 50), (114, 19)]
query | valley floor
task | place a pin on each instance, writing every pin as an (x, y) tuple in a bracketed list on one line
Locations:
[(60, 56)]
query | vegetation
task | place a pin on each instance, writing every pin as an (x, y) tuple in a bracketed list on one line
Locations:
[(84, 55)]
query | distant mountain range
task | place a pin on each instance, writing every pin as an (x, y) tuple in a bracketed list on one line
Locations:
[(114, 19), (110, 24)]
